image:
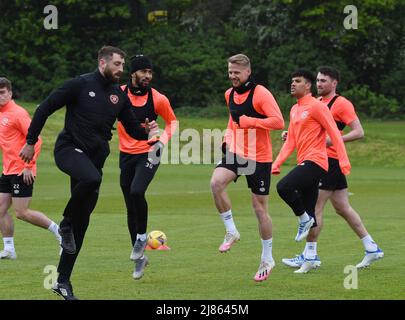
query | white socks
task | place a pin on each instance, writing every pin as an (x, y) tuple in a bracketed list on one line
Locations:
[(310, 250), (9, 244), (369, 243), (267, 250), (304, 217), (54, 228), (141, 237), (228, 221)]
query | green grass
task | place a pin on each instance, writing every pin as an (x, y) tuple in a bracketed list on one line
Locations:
[(180, 204)]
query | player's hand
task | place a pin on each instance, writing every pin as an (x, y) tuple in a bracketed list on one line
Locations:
[(328, 141), (27, 153), (275, 168), (246, 122), (28, 176), (275, 171), (151, 128), (345, 167), (284, 135)]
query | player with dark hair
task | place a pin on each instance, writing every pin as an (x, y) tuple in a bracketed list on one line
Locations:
[(333, 185), (139, 161), (93, 103), (310, 120), (17, 180)]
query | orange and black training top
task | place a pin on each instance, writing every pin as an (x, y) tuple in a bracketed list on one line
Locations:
[(310, 121), (260, 113), (151, 105), (343, 112), (14, 123)]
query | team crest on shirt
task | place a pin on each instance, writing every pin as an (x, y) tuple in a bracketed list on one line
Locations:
[(4, 121), (304, 114), (114, 98)]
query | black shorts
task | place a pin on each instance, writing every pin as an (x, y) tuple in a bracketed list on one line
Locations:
[(137, 171), (334, 179), (16, 186), (257, 173)]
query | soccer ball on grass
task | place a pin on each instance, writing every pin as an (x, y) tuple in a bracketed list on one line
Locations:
[(156, 239)]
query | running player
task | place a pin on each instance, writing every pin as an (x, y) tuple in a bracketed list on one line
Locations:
[(248, 151), (310, 120), (93, 103), (17, 180), (333, 185), (139, 161)]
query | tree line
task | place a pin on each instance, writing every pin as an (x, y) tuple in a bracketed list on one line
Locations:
[(189, 42)]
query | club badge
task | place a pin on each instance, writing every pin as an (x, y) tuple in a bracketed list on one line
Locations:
[(114, 98)]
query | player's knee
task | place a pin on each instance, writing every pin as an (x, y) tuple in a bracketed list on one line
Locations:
[(137, 193), (342, 209), (4, 205), (93, 182), (21, 213), (283, 189), (261, 212), (217, 185), (3, 211)]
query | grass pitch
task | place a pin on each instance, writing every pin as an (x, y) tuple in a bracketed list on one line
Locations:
[(180, 204)]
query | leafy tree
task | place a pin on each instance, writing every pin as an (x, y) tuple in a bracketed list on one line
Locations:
[(190, 48), (188, 68)]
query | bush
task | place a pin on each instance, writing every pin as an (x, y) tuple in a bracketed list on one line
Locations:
[(373, 105), (285, 101), (190, 68)]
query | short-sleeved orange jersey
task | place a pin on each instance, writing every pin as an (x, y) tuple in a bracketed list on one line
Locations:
[(162, 108), (310, 121), (342, 111), (14, 124), (237, 136)]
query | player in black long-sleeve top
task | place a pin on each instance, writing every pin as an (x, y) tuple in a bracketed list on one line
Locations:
[(93, 103)]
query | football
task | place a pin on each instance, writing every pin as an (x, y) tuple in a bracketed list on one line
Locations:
[(156, 239)]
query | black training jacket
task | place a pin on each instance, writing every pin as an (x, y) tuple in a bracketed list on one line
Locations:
[(92, 106)]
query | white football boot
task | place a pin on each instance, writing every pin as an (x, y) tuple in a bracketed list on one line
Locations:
[(5, 254), (370, 257), (295, 262), (308, 265)]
